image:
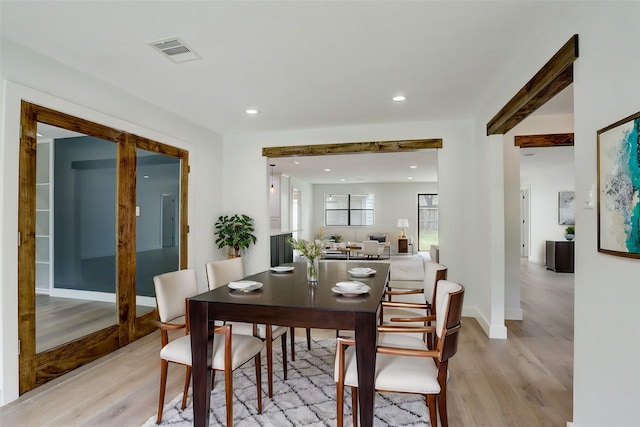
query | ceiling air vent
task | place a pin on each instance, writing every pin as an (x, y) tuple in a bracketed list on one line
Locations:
[(174, 49)]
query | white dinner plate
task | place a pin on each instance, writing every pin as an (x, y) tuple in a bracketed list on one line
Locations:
[(351, 292), (245, 285), (282, 269), (362, 272), (350, 285)]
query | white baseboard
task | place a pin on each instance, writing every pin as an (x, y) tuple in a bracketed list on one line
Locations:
[(492, 331), (513, 314)]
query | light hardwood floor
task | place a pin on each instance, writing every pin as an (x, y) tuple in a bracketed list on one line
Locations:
[(526, 380)]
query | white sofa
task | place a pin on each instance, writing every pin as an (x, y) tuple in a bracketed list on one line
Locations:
[(353, 237)]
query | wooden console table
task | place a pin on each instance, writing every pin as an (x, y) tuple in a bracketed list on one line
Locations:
[(559, 256)]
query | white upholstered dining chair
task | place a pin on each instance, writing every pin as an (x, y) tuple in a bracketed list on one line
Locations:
[(220, 273), (414, 306), (408, 370), (230, 351)]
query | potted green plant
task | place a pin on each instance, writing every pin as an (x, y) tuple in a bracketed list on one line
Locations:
[(570, 232), (235, 232)]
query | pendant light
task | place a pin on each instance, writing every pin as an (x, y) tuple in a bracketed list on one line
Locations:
[(272, 189)]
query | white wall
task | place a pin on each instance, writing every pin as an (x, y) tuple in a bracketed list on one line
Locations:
[(545, 186), (606, 346), (306, 191), (544, 183), (392, 201), (607, 288), (461, 249), (32, 77)]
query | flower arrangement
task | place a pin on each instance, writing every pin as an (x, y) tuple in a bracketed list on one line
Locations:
[(312, 252)]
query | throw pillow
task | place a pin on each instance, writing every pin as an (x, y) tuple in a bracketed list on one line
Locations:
[(379, 237)]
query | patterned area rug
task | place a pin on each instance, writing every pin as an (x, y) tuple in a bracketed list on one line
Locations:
[(306, 398)]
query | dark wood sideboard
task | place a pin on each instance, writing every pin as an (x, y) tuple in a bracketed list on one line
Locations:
[(560, 256), (281, 251)]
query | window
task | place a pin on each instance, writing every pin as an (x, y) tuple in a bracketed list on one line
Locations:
[(348, 209), (427, 221)]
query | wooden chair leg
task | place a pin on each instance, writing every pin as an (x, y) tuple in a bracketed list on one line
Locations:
[(354, 406), (228, 394), (339, 405), (284, 354), (442, 397), (164, 367), (185, 392), (309, 339), (269, 345), (431, 403), (259, 381), (292, 331)]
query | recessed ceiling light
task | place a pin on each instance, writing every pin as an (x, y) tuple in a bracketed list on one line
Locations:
[(327, 170), (252, 111), (413, 166), (342, 180), (399, 98), (410, 177), (295, 162)]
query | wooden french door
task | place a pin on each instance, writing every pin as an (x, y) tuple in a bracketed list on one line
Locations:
[(80, 198)]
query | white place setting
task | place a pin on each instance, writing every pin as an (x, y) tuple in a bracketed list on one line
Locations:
[(361, 271), (282, 269), (245, 285), (352, 288)]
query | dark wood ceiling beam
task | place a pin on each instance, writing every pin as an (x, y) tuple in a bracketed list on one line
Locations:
[(549, 140), (552, 78), (353, 148)]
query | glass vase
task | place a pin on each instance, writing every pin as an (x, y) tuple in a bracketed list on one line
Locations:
[(312, 270)]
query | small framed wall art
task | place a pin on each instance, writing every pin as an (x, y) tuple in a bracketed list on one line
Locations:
[(567, 207), (619, 188)]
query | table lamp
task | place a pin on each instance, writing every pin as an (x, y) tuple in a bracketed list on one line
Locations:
[(402, 223)]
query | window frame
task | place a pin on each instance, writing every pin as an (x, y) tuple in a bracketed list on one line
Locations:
[(350, 211)]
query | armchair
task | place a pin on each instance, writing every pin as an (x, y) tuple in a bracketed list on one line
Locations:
[(403, 305), (384, 245), (408, 370), (372, 248)]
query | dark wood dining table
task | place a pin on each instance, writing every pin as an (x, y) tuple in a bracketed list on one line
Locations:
[(288, 299)]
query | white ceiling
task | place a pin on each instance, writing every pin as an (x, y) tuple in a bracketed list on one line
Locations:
[(303, 64)]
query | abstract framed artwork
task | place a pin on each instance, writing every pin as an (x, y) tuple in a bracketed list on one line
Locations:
[(567, 207), (619, 188)]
